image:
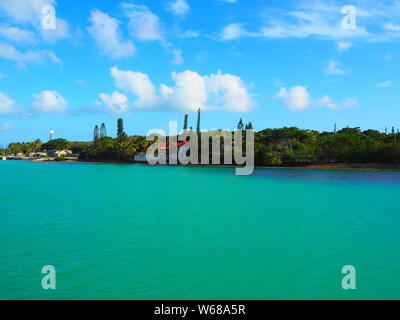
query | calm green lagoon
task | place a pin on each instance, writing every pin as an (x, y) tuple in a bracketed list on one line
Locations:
[(143, 232)]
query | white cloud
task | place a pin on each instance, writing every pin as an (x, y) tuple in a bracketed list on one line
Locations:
[(234, 31), (228, 90), (17, 35), (29, 13), (143, 24), (179, 7), (137, 84), (190, 91), (49, 102), (11, 53), (329, 103), (177, 57), (6, 126), (392, 27), (105, 31), (311, 21), (7, 105), (344, 46), (322, 20), (298, 98), (61, 31), (24, 11), (189, 34), (116, 103), (384, 84), (333, 67)]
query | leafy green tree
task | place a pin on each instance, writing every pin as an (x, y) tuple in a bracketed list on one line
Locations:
[(348, 130), (56, 144), (33, 146), (16, 147), (121, 133), (185, 122)]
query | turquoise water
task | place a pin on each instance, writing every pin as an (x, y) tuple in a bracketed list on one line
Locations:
[(142, 232)]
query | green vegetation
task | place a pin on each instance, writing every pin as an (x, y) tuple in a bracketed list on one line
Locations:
[(121, 133), (240, 124), (103, 131), (56, 144), (349, 145), (284, 146), (114, 149), (96, 133)]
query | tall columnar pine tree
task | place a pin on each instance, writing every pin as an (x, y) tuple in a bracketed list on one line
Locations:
[(240, 124), (249, 126), (103, 131), (121, 133), (198, 120), (334, 129), (96, 133), (185, 122)]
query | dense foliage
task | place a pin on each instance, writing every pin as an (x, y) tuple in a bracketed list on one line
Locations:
[(114, 149), (56, 144), (349, 145), (285, 146)]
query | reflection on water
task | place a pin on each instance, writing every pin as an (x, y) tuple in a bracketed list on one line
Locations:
[(329, 175)]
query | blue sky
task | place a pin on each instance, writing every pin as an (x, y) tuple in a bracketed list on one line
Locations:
[(274, 63)]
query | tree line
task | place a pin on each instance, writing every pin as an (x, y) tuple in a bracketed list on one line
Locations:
[(283, 146)]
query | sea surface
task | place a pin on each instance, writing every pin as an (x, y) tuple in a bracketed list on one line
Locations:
[(141, 232)]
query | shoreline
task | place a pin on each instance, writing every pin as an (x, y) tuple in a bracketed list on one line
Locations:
[(318, 166)]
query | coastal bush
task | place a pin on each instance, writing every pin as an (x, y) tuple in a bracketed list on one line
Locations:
[(283, 146)]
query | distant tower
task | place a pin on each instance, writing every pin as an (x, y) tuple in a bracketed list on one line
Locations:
[(51, 132), (334, 129)]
